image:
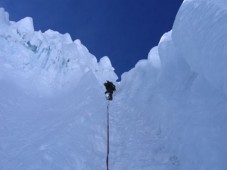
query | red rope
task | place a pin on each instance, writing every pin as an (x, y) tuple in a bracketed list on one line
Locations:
[(108, 139)]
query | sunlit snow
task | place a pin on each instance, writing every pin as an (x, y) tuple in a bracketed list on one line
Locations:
[(168, 113)]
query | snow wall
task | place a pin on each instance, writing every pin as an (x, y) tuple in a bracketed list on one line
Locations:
[(170, 110), (52, 106)]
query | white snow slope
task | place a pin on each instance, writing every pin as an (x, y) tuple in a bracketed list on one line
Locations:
[(169, 112)]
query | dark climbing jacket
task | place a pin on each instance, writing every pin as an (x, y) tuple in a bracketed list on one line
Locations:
[(110, 88)]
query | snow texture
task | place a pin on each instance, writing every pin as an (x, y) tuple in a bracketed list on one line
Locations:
[(169, 111)]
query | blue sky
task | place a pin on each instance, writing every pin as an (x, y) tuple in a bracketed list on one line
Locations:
[(124, 30)]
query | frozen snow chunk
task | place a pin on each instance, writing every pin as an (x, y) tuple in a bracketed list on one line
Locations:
[(80, 46), (166, 37), (25, 25), (4, 19), (58, 37), (105, 71), (77, 42), (153, 57), (105, 63), (4, 16), (67, 38), (52, 33)]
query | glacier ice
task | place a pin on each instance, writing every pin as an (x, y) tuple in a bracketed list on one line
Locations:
[(174, 116), (169, 111), (52, 58)]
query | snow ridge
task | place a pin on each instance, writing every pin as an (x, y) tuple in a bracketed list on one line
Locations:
[(52, 58)]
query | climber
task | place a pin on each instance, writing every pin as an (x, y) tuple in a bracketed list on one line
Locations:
[(110, 88)]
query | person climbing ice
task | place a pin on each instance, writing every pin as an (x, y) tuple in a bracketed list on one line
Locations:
[(110, 88)]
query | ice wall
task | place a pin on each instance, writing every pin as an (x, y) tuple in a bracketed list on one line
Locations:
[(54, 59), (170, 111), (52, 102), (200, 37)]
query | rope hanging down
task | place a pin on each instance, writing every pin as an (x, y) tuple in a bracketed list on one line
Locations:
[(110, 88), (108, 139)]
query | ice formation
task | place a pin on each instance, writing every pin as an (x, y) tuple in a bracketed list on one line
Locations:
[(169, 111)]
